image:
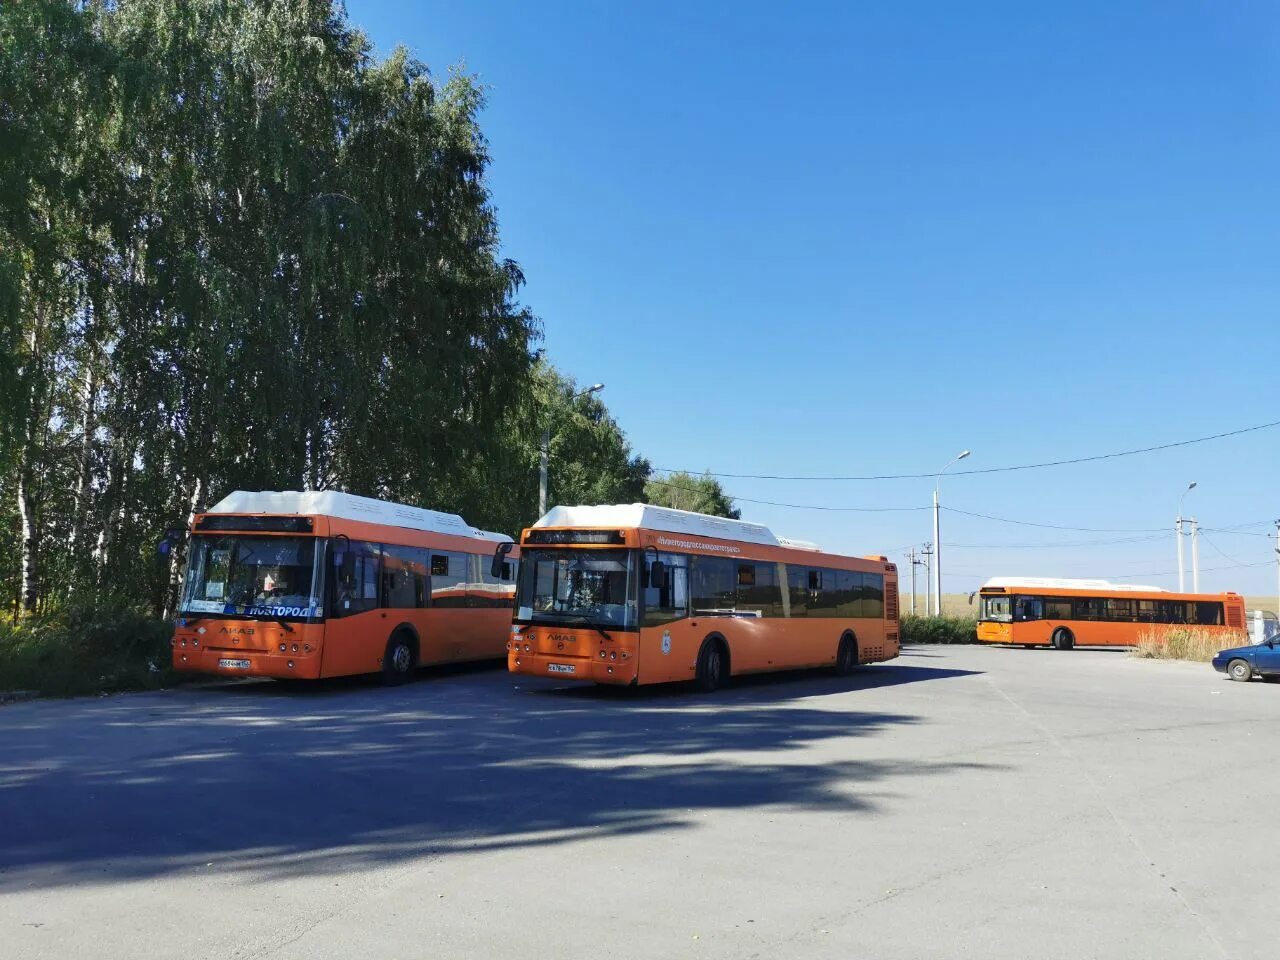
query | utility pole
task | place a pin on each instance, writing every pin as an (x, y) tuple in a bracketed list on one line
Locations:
[(927, 552), (1278, 566), (1182, 566), (1195, 556), (937, 535), (910, 558)]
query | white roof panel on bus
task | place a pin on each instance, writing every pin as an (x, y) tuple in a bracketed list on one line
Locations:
[(666, 519), (348, 506), (1065, 583)]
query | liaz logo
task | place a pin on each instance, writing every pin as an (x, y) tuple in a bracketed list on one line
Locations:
[(562, 638), (246, 631)]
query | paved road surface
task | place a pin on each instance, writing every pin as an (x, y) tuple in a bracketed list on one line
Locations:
[(972, 802)]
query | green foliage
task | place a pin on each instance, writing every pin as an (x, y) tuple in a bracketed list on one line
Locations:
[(684, 491), (239, 251), (939, 629), (85, 649)]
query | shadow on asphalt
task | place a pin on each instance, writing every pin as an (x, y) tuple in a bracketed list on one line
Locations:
[(261, 780)]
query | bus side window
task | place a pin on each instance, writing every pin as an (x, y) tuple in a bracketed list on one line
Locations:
[(798, 583), (448, 579), (404, 576)]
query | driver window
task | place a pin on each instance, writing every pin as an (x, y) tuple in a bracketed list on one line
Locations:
[(669, 599), (1028, 608), (354, 575)]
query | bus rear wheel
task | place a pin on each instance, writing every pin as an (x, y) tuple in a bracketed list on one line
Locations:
[(713, 665), (1062, 639), (846, 656), (399, 660)]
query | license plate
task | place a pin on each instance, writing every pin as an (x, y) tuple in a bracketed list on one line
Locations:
[(561, 668), (229, 664)]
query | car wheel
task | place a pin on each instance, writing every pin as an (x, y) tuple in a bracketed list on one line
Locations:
[(1239, 670), (1062, 639)]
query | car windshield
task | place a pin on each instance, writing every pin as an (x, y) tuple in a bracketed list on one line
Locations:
[(997, 608), (255, 576), (591, 587)]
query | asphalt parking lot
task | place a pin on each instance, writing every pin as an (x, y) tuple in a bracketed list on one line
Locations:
[(964, 802)]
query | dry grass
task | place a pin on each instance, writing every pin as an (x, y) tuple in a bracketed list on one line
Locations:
[(1184, 643)]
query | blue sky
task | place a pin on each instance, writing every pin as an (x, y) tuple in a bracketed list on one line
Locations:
[(855, 239)]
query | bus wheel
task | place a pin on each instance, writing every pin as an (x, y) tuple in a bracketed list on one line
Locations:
[(1062, 639), (1239, 670), (846, 656), (713, 665), (398, 661)]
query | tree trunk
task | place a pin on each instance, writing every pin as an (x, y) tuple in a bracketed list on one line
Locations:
[(30, 545)]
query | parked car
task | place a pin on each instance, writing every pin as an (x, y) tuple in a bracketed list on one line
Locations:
[(1245, 663)]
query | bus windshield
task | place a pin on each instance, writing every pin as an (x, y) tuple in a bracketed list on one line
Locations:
[(590, 587), (997, 608), (246, 575)]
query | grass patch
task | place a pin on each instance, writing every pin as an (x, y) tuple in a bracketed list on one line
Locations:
[(1183, 643), (939, 629), (86, 650)]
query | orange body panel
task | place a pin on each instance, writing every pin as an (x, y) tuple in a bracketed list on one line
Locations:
[(1107, 633), (344, 646), (756, 644)]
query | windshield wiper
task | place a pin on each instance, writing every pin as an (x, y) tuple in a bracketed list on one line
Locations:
[(583, 618)]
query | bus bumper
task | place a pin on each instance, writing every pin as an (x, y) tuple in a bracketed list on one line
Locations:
[(191, 655), (992, 632), (603, 670)]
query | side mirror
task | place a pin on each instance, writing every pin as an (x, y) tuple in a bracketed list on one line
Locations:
[(499, 555), (172, 537), (657, 572)]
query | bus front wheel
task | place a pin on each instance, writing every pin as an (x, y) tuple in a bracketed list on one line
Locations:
[(1062, 639), (398, 661), (713, 665)]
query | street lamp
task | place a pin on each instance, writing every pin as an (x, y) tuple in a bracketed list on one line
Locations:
[(937, 534), (546, 444), (1178, 532)]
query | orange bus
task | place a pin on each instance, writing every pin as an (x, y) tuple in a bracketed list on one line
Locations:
[(1039, 612), (634, 593), (325, 584)]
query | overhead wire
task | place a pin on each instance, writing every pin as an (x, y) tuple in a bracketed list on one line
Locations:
[(983, 470)]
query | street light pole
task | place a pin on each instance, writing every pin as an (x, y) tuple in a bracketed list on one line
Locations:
[(1195, 556), (1182, 585), (546, 448), (937, 535)]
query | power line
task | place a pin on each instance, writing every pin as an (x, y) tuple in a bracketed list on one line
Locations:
[(794, 506), (1049, 546), (1054, 526), (1009, 469)]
